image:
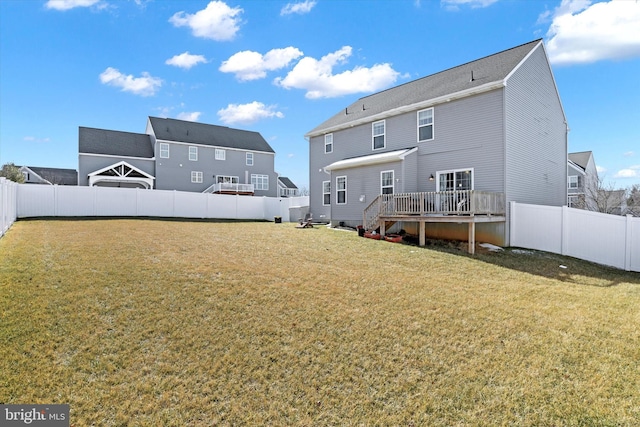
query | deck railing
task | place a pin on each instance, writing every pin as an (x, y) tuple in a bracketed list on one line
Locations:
[(228, 187), (465, 202)]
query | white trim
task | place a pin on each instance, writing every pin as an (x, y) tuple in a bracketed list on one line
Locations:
[(164, 141), (325, 143), (487, 87), (384, 135), (168, 150), (372, 159), (199, 177), (393, 185), (433, 125), (95, 177), (338, 190), (324, 193), (196, 153), (438, 173), (113, 156)]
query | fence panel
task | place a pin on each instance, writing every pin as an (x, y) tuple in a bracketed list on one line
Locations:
[(596, 237), (47, 200), (605, 239), (8, 204), (536, 227), (634, 244)]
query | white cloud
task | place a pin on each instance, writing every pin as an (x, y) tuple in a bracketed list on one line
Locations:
[(217, 21), (299, 8), (455, 4), (190, 117), (629, 154), (186, 60), (248, 113), (69, 4), (317, 78), (582, 32), (630, 172), (249, 65), (144, 86), (601, 170), (34, 139)]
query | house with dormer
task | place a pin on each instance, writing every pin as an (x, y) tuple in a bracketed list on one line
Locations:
[(442, 156), (178, 155)]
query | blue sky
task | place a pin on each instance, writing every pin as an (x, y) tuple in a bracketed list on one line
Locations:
[(281, 68)]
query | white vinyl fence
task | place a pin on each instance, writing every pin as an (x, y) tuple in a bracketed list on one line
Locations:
[(60, 200), (8, 204), (605, 239)]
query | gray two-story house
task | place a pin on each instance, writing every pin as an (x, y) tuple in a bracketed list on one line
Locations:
[(582, 181), (442, 156), (179, 155)]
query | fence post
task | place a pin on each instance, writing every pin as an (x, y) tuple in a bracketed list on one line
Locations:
[(512, 223), (627, 246), (564, 231), (4, 202)]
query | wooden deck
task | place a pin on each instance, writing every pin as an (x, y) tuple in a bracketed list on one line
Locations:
[(467, 206)]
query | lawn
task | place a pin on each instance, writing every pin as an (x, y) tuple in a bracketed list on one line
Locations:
[(172, 323)]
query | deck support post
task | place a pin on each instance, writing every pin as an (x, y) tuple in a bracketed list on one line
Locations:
[(421, 233), (383, 228), (472, 237)]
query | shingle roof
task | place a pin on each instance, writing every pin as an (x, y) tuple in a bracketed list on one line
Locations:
[(490, 69), (200, 133), (114, 143), (286, 182), (581, 159), (57, 175)]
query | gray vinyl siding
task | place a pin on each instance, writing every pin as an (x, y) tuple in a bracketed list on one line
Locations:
[(361, 181), (88, 163), (468, 133), (174, 173), (536, 152)]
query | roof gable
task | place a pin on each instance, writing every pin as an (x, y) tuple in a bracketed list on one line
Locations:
[(286, 182), (581, 159), (205, 134), (114, 143), (472, 77)]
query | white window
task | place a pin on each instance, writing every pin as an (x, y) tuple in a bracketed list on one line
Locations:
[(386, 182), (196, 177), (220, 154), (455, 180), (164, 151), (574, 182), (326, 193), (377, 135), (328, 143), (260, 182), (341, 190), (224, 179), (425, 125), (249, 159), (193, 154)]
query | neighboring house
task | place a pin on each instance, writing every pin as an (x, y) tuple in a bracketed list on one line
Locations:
[(582, 181), (179, 155), (453, 147), (49, 176), (286, 187)]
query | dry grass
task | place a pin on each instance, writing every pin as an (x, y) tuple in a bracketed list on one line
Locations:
[(141, 322)]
